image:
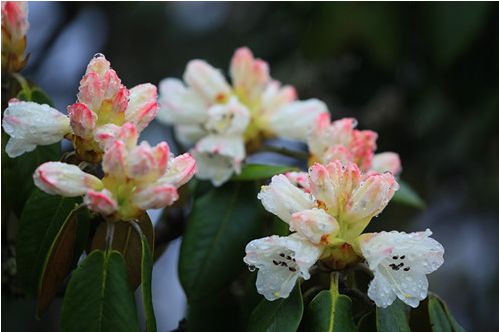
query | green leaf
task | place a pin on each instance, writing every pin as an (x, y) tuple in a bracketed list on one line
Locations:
[(283, 315), (330, 311), (222, 222), (60, 257), (406, 195), (440, 316), (392, 318), (146, 277), (128, 243), (257, 172), (17, 183), (98, 297), (38, 96), (40, 222)]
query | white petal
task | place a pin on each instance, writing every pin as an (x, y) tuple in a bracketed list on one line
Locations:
[(230, 119), (179, 104), (380, 291), (219, 157), (283, 199), (33, 124), (280, 260), (249, 75), (207, 81), (401, 261), (189, 134), (180, 170), (58, 178), (314, 224), (17, 147), (387, 162), (155, 196), (296, 119), (101, 202)]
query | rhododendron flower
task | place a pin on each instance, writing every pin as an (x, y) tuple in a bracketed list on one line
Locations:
[(103, 105), (327, 211), (223, 121), (14, 28), (339, 140), (280, 262), (400, 263), (136, 178)]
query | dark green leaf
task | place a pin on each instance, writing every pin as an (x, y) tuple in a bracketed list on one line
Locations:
[(392, 318), (38, 96), (17, 183), (98, 297), (222, 223), (330, 311), (146, 277), (128, 243), (40, 222), (406, 195), (283, 315), (60, 257), (440, 317), (257, 172)]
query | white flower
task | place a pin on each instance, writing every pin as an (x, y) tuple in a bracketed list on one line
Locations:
[(400, 263), (281, 261), (314, 224), (252, 108), (30, 124)]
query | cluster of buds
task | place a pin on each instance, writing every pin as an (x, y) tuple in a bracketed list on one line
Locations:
[(136, 178), (225, 121), (339, 140), (14, 28), (103, 106), (103, 125)]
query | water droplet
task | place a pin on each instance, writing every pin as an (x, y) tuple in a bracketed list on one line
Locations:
[(98, 55), (252, 268)]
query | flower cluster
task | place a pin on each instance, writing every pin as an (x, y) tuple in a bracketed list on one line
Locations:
[(104, 125), (136, 178), (104, 104), (226, 121), (14, 28), (339, 140), (327, 209)]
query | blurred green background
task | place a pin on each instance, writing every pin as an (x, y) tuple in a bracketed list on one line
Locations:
[(425, 76)]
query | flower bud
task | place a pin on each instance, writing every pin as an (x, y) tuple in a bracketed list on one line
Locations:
[(387, 162), (155, 196), (143, 105), (58, 178), (101, 202), (82, 120), (315, 224)]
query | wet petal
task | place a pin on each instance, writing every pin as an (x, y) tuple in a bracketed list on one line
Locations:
[(143, 105), (315, 224), (387, 162), (32, 124), (296, 119), (101, 202), (180, 170), (284, 199), (58, 178), (155, 196), (82, 120)]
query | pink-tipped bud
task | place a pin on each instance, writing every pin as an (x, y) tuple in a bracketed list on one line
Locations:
[(15, 19), (370, 197), (142, 106), (314, 224), (180, 170), (58, 178), (155, 196), (114, 160), (101, 202), (82, 120), (249, 75)]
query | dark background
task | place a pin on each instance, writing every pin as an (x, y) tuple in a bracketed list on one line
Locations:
[(425, 76)]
